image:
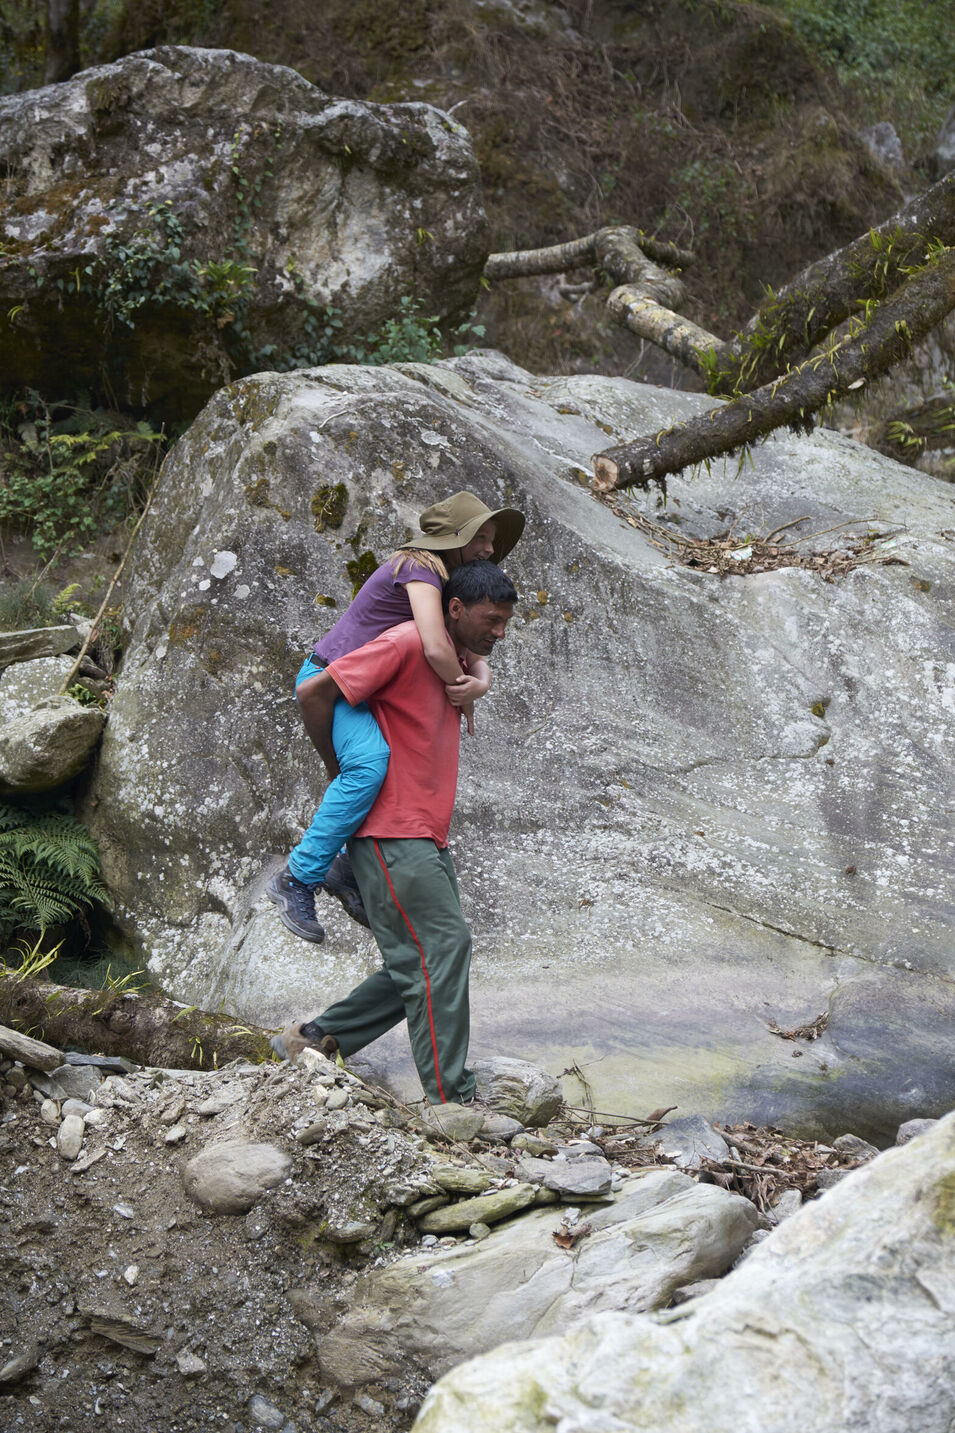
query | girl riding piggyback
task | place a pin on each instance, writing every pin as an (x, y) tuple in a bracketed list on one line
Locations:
[(407, 586)]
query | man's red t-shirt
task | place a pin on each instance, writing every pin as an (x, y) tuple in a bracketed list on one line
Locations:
[(422, 728)]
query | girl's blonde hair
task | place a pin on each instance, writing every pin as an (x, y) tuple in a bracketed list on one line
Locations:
[(430, 560)]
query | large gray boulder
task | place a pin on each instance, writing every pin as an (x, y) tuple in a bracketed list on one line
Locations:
[(663, 1232), (694, 808), (841, 1319), (184, 210)]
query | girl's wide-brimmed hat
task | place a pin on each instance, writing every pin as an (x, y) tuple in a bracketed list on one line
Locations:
[(453, 522)]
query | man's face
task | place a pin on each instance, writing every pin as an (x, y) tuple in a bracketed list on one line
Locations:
[(478, 627)]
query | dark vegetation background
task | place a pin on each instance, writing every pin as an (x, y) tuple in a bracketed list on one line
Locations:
[(731, 128)]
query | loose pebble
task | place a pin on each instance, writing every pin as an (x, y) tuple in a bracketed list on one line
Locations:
[(189, 1364), (370, 1405), (69, 1137), (264, 1413)]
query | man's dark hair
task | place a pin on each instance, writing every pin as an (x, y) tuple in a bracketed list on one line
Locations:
[(479, 581)]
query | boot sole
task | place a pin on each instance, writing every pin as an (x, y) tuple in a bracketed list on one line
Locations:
[(347, 900)]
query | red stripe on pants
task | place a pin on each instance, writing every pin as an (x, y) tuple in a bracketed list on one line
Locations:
[(424, 970)]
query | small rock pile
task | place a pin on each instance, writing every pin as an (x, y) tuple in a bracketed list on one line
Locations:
[(184, 1248)]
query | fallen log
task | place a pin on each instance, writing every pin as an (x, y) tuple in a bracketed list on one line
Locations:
[(141, 1025), (866, 351)]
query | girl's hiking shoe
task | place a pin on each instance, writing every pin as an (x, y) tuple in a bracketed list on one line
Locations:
[(340, 882), (308, 1036), (296, 903)]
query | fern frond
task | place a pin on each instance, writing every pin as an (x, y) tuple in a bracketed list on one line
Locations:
[(49, 869)]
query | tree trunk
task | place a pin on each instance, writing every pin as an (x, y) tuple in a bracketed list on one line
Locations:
[(62, 40), (790, 323), (144, 1026), (865, 352)]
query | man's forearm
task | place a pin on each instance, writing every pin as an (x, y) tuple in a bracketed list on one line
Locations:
[(316, 698)]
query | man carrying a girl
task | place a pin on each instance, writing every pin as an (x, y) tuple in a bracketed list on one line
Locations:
[(394, 773)]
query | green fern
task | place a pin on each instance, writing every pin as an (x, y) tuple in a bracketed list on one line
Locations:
[(49, 869)]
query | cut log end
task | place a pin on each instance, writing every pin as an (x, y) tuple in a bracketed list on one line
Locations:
[(606, 473)]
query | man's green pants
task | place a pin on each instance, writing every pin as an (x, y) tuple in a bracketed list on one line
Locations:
[(411, 898)]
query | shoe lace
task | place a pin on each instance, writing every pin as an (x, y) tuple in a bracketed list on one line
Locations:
[(303, 898)]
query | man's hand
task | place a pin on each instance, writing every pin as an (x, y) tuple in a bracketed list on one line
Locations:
[(465, 689), (462, 693)]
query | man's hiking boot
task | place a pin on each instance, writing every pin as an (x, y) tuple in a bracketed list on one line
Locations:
[(308, 1036), (296, 903), (340, 882)]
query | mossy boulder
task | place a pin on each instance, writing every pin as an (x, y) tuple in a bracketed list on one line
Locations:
[(184, 214)]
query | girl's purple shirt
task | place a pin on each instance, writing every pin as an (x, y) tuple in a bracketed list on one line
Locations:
[(382, 602)]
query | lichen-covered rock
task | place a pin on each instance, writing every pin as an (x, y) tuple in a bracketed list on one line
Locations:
[(25, 685), (185, 210), (48, 747), (663, 1231), (841, 1318), (36, 642), (519, 1089), (694, 808)]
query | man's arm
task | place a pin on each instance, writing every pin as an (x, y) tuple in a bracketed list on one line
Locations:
[(317, 697)]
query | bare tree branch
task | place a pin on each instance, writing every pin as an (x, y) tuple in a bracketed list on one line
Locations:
[(557, 259), (676, 335)]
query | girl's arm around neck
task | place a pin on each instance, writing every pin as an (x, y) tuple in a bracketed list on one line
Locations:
[(429, 619)]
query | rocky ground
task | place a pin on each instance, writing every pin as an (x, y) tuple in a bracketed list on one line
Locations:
[(179, 1246)]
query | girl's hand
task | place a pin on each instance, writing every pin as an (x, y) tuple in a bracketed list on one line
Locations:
[(465, 689)]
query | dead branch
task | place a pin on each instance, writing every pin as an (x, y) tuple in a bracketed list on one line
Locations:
[(579, 253)]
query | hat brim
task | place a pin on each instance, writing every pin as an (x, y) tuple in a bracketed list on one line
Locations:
[(508, 522)]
